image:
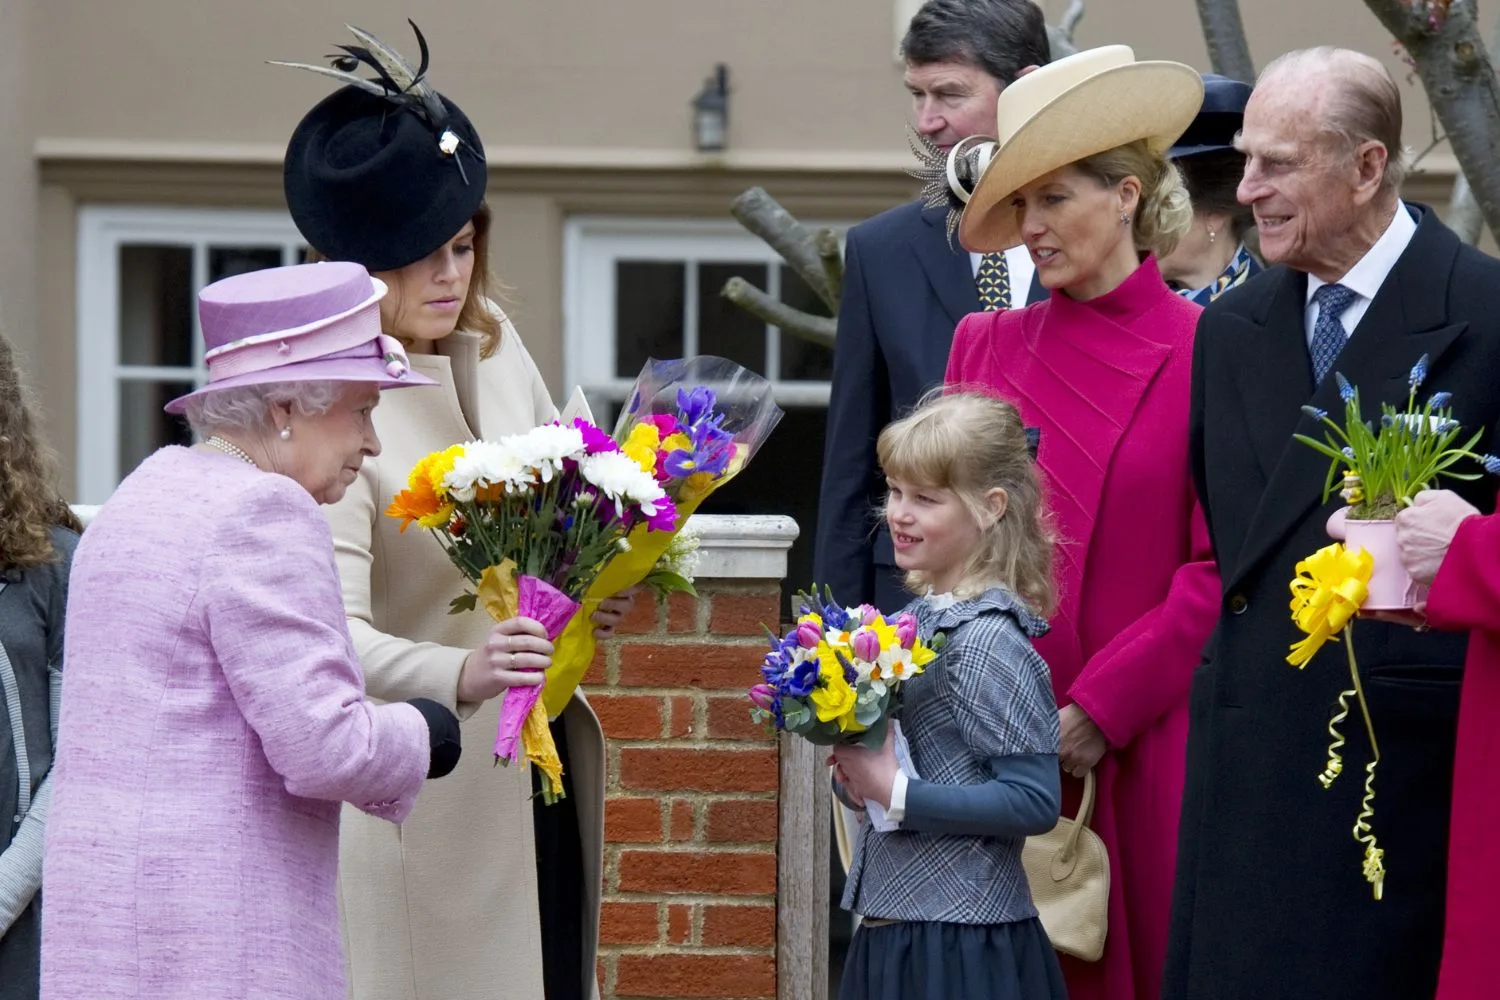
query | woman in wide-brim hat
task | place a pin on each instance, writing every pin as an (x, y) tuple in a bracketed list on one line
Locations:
[(1080, 175), (214, 716), (483, 892)]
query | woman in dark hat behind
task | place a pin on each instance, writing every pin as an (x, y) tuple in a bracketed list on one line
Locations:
[(1212, 258), (477, 894)]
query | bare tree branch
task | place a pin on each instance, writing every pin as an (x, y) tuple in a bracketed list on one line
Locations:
[(826, 242), (817, 329), (763, 215), (1069, 23), (1224, 31), (1464, 217), (1443, 40)]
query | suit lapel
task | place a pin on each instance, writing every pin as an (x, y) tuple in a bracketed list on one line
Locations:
[(947, 267), (1406, 319)]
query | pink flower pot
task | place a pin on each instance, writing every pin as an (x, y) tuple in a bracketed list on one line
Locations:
[(1390, 588)]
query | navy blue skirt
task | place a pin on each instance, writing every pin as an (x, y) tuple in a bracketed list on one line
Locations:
[(929, 960)]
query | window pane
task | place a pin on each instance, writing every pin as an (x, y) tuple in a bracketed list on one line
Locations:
[(225, 262), (144, 427), (802, 359), (723, 327), (648, 313), (156, 303)]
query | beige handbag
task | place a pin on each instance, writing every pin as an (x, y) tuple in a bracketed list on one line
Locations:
[(1069, 874)]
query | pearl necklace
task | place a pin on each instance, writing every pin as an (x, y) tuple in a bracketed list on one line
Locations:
[(232, 450)]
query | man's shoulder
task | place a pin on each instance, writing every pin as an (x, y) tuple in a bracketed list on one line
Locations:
[(897, 223)]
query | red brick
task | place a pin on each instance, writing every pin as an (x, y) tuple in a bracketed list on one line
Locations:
[(698, 770), (629, 717), (682, 820), (632, 821), (706, 976), (741, 821), (628, 923), (679, 924), (739, 926), (725, 873), (597, 667), (729, 719), (681, 725), (682, 613), (696, 665), (744, 614), (643, 618)]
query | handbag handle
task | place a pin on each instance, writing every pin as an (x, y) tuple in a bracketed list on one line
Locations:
[(1085, 813)]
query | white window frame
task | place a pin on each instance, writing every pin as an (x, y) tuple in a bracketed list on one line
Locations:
[(591, 247), (101, 232)]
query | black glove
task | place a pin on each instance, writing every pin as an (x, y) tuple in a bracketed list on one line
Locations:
[(442, 736)]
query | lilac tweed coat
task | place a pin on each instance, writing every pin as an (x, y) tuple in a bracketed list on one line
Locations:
[(213, 718)]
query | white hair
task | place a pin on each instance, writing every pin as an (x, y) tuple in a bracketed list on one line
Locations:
[(249, 408)]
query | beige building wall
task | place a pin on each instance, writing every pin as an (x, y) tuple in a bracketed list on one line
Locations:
[(583, 106)]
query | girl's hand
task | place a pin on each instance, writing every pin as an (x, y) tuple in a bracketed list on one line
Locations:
[(612, 611), (1082, 744), (514, 654), (869, 775)]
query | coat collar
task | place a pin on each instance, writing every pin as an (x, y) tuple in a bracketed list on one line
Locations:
[(1272, 374), (1000, 599), (458, 358), (946, 265)]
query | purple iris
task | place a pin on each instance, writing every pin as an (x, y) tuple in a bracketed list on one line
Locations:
[(695, 404)]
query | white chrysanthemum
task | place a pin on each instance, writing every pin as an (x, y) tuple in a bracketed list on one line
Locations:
[(545, 448), (617, 476), (486, 463)]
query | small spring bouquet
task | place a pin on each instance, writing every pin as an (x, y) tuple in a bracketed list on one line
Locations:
[(532, 520), (1384, 467), (692, 424), (836, 676)]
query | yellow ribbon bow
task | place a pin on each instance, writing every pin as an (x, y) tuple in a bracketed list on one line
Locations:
[(1327, 591)]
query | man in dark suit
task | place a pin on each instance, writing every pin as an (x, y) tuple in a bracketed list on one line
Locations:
[(1270, 899), (906, 285)]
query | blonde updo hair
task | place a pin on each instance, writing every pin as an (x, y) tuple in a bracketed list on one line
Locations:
[(1165, 212), (971, 443)]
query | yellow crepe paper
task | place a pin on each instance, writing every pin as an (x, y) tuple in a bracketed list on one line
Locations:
[(499, 594)]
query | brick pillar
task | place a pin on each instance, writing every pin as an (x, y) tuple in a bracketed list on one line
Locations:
[(691, 806)]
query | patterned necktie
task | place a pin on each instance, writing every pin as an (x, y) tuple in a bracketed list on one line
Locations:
[(993, 282), (1328, 337)]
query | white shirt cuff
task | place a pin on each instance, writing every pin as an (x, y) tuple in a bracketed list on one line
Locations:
[(897, 811)]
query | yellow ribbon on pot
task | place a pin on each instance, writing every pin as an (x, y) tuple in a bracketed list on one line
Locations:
[(1327, 591)]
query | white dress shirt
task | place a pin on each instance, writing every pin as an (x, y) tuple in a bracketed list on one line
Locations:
[(1021, 270), (1365, 278)]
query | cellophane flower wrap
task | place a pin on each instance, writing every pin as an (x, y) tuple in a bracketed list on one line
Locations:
[(531, 521), (692, 424), (836, 676)]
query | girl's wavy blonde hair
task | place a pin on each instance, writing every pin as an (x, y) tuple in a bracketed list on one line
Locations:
[(477, 314), (971, 443), (30, 504)]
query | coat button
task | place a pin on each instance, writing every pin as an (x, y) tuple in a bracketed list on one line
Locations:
[(1238, 604)]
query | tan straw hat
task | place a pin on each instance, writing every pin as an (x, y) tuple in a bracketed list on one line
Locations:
[(1069, 110)]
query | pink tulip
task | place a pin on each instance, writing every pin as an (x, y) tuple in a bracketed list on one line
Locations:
[(866, 645), (763, 695), (867, 614), (906, 630), (809, 635)]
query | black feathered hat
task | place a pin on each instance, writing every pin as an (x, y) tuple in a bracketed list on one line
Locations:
[(383, 171)]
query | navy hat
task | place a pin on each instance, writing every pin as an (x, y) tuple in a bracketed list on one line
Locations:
[(1219, 119), (383, 171)]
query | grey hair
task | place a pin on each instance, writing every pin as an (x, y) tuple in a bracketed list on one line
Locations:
[(1362, 104), (1000, 37), (249, 408)]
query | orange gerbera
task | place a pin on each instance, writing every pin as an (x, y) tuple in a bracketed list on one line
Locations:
[(421, 501)]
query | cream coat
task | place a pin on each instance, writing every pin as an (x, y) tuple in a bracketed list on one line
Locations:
[(443, 907)]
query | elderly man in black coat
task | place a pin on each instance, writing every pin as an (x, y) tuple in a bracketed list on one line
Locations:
[(1270, 901)]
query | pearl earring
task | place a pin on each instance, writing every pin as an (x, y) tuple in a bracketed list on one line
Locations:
[(1211, 235), (286, 434)]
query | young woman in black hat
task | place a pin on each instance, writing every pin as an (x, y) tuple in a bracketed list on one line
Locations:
[(477, 894)]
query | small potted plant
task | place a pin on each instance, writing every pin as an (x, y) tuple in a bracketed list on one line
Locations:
[(1385, 464)]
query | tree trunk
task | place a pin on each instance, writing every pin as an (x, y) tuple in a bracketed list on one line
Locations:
[(763, 215), (1224, 31), (819, 330), (1460, 81)]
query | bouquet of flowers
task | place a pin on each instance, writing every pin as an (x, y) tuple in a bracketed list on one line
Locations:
[(1385, 466), (531, 521), (691, 424), (836, 676)]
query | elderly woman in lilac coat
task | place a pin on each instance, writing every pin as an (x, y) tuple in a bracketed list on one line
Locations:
[(213, 713)]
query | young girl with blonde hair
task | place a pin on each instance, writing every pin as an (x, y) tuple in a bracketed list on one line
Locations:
[(945, 907)]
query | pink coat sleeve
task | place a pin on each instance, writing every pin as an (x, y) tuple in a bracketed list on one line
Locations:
[(274, 613), (963, 335), (1148, 668), (1466, 593)]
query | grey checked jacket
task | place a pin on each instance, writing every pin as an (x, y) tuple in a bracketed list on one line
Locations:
[(987, 694)]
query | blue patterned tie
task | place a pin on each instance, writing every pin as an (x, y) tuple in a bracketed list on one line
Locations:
[(1328, 333)]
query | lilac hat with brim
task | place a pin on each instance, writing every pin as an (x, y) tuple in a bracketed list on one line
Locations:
[(304, 323)]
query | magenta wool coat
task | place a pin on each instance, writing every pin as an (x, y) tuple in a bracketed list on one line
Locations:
[(1107, 382), (213, 718)]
